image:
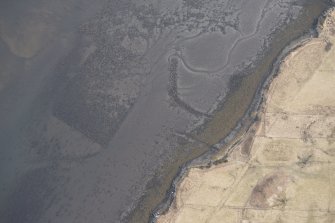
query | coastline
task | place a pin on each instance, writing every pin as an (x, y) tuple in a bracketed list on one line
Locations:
[(100, 130), (265, 92), (220, 151)]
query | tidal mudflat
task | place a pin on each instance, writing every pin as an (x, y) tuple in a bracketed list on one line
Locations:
[(101, 104)]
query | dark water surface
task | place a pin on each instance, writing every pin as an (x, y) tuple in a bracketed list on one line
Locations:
[(101, 103)]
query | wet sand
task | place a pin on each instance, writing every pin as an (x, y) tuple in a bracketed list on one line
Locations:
[(95, 119)]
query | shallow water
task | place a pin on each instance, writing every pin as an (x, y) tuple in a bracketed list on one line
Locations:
[(100, 104)]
